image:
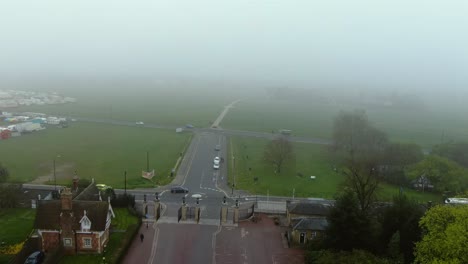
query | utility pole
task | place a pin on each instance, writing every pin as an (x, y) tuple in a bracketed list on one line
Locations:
[(55, 178), (125, 182), (147, 161), (294, 190)]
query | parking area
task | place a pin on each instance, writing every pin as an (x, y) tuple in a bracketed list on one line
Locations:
[(260, 242)]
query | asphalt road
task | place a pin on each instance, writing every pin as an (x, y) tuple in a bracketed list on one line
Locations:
[(232, 132)]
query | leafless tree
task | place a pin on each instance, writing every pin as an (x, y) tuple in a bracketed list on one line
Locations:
[(359, 148), (278, 152)]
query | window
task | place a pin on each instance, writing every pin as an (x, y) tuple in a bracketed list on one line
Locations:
[(85, 224), (87, 242), (67, 242), (313, 234)]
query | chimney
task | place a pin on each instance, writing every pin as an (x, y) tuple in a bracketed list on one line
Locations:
[(66, 197)]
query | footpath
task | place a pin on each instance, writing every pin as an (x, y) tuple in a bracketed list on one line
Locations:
[(140, 251)]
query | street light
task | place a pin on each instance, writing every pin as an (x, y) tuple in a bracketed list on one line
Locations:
[(55, 177)]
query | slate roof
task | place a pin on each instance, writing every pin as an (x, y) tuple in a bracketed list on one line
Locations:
[(319, 224), (308, 209), (90, 193), (48, 214)]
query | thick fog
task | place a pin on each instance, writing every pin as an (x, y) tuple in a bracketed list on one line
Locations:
[(395, 45)]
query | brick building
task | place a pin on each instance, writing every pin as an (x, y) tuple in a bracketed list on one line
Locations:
[(79, 226)]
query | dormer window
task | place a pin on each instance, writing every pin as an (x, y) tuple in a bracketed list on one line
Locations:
[(85, 223)]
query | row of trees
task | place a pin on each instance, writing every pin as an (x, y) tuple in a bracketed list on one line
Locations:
[(367, 156), (363, 231), (403, 232)]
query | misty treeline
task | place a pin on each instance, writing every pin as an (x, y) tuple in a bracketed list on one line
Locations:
[(362, 230), (366, 157)]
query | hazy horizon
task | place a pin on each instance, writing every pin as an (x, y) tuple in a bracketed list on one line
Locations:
[(376, 45)]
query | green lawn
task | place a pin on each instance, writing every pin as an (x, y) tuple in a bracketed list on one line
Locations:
[(17, 224), (424, 127), (123, 219), (310, 160), (117, 243), (98, 151)]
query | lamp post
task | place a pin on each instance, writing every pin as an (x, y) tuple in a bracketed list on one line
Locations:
[(55, 176)]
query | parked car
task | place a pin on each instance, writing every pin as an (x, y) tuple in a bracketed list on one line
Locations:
[(189, 126), (216, 166), (218, 147), (216, 160), (179, 189), (35, 258), (139, 123)]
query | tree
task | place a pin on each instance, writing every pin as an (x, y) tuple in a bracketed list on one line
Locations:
[(446, 236), (444, 174), (402, 217), (457, 152), (359, 148), (3, 174), (345, 257), (9, 195), (393, 248), (397, 157), (278, 152), (348, 226)]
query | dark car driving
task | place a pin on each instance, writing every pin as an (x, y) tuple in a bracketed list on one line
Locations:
[(35, 258), (179, 189)]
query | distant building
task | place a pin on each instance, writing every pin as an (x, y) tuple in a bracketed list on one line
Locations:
[(306, 220)]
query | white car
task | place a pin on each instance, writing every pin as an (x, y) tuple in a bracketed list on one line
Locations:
[(216, 160), (139, 123), (216, 166)]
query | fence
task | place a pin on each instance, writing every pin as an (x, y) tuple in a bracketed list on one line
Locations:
[(271, 207)]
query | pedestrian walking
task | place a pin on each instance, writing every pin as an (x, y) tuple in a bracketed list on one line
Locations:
[(142, 237)]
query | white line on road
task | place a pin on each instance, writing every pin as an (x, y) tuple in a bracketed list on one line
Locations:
[(191, 160), (155, 245), (213, 243)]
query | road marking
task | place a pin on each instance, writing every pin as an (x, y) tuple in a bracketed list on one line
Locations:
[(191, 160), (213, 243), (155, 245)]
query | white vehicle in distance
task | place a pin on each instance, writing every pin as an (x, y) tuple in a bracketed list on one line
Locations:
[(216, 163), (140, 123)]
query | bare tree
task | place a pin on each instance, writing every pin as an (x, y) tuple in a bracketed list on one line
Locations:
[(3, 173), (278, 152), (359, 148), (363, 179)]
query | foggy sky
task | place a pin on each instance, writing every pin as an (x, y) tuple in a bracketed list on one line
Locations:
[(400, 43)]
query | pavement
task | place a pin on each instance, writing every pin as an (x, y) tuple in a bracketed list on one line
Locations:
[(140, 251), (260, 242)]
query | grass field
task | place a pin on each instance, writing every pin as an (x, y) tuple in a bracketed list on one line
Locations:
[(17, 224), (98, 151), (310, 160), (136, 104), (424, 127)]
